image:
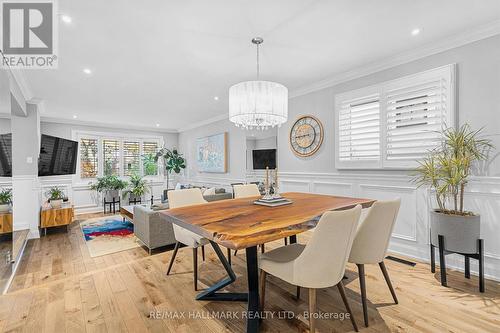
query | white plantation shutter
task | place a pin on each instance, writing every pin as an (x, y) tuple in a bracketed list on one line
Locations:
[(359, 129), (400, 120)]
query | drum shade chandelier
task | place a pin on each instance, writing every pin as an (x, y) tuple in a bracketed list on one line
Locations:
[(258, 104)]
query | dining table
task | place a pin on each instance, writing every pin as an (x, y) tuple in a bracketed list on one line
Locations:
[(239, 224)]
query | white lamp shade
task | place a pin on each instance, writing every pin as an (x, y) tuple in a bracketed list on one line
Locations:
[(258, 104)]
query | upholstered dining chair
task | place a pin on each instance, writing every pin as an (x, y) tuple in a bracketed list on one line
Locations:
[(299, 265), (371, 243), (181, 198)]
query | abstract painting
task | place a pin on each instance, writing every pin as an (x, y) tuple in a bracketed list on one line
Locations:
[(211, 153)]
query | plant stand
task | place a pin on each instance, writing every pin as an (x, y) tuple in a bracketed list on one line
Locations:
[(112, 205), (442, 262)]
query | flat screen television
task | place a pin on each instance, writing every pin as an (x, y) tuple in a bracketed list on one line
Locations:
[(57, 156), (6, 155), (263, 158)]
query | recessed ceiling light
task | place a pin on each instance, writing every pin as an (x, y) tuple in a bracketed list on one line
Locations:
[(415, 31), (66, 19), (74, 116), (157, 125), (216, 98), (87, 71)]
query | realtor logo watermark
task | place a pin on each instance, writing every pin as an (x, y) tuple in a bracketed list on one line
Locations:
[(29, 34)]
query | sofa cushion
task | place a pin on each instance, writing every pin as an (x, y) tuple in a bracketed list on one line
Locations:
[(160, 206), (209, 191)]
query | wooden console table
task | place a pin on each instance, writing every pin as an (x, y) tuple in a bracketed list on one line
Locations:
[(56, 217), (5, 223)]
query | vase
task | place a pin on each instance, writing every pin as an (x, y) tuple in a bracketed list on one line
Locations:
[(56, 203)]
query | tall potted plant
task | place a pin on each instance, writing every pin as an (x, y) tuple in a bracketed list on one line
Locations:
[(110, 186), (173, 161), (446, 171), (5, 200), (136, 189)]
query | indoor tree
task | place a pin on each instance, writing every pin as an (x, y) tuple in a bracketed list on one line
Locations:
[(172, 160)]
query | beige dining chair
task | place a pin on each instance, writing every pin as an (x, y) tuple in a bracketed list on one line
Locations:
[(182, 198), (371, 243), (245, 191), (298, 264)]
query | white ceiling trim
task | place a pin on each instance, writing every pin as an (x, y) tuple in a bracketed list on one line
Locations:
[(204, 122), (105, 125), (481, 32)]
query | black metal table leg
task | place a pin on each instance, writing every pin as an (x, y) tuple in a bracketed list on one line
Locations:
[(253, 290), (442, 262), (433, 259), (480, 245), (211, 293), (467, 266), (293, 239)]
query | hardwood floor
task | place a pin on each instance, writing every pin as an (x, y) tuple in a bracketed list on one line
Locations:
[(59, 287)]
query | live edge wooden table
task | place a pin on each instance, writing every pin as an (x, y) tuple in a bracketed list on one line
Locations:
[(239, 224)]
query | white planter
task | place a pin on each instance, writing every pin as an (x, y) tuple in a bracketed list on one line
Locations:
[(460, 232), (56, 203), (110, 194), (4, 208)]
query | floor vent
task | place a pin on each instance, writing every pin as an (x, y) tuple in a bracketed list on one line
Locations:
[(406, 262)]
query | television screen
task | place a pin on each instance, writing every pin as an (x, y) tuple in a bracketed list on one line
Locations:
[(263, 158), (57, 156), (6, 155)]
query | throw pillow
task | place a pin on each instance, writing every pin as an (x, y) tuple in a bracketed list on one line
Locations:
[(209, 191)]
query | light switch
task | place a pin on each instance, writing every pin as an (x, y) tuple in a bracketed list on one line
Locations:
[(29, 160)]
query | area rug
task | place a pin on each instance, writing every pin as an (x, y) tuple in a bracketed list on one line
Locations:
[(106, 235)]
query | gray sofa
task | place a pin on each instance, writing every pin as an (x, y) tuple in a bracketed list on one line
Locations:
[(152, 230)]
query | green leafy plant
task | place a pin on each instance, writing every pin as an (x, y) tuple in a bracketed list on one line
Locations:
[(109, 182), (5, 196), (54, 193), (138, 186), (447, 168), (150, 164), (173, 161)]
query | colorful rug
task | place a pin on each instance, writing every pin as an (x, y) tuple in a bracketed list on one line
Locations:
[(106, 235)]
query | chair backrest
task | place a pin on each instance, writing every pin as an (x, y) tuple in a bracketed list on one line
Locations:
[(244, 191), (373, 235), (182, 198), (322, 262)]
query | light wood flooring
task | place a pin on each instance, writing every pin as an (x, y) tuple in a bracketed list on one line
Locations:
[(60, 288)]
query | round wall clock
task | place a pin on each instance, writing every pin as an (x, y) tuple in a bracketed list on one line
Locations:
[(306, 136)]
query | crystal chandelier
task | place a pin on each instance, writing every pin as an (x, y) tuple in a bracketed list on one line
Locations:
[(258, 104)]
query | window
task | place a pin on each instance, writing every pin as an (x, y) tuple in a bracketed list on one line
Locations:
[(395, 123), (131, 158), (149, 150), (88, 158), (111, 156), (121, 155)]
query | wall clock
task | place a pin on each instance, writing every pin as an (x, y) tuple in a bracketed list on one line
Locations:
[(306, 136)]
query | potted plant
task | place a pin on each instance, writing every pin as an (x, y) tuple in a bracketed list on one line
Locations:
[(137, 188), (173, 161), (110, 186), (55, 197), (446, 171), (5, 200)]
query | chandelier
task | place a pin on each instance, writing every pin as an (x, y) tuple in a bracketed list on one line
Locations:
[(258, 104)]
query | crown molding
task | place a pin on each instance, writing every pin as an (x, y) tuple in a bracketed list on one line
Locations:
[(57, 120), (203, 123), (467, 37)]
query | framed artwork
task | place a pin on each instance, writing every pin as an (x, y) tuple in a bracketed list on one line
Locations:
[(211, 153)]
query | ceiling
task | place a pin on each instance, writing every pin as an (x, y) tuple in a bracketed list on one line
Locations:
[(160, 63)]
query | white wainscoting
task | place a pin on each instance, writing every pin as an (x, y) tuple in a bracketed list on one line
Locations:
[(411, 233)]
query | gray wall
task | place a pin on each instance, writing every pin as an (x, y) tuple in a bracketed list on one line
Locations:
[(26, 142), (64, 131), (478, 69), (5, 126)]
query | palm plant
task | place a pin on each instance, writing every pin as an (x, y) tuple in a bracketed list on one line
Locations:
[(173, 161), (447, 168), (54, 193), (138, 186)]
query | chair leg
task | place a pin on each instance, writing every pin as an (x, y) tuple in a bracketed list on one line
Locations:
[(340, 286), (195, 268), (286, 241), (298, 293), (262, 249), (235, 252), (388, 281), (203, 252), (229, 256), (362, 284), (176, 248), (312, 309), (262, 283)]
